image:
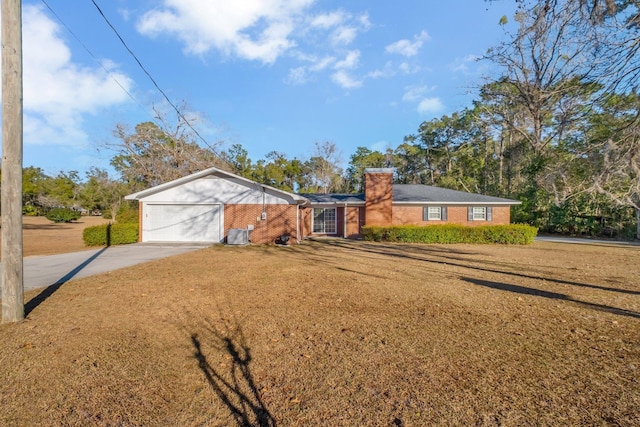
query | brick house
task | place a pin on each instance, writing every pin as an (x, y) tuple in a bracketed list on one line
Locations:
[(212, 205)]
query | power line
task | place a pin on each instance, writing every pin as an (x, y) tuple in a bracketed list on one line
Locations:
[(98, 61), (180, 115)]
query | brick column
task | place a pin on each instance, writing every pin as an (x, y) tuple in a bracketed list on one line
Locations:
[(378, 194)]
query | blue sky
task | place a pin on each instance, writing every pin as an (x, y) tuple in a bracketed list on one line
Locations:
[(267, 74)]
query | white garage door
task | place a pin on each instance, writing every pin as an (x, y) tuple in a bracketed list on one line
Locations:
[(182, 223)]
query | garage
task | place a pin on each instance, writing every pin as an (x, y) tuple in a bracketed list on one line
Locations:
[(182, 223), (204, 206)]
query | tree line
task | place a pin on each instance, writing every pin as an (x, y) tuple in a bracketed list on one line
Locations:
[(556, 126)]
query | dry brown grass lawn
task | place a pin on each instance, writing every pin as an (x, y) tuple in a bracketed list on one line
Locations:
[(336, 333), (43, 237)]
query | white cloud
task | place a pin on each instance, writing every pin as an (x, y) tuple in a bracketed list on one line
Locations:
[(264, 30), (387, 72), (380, 146), (252, 29), (425, 105), (414, 93), (322, 63), (344, 35), (329, 20), (345, 80), (462, 65), (430, 106), (350, 61), (407, 68), (364, 21), (297, 76), (408, 48), (342, 76), (57, 92)]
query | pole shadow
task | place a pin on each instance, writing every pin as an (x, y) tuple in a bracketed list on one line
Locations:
[(51, 289), (236, 388), (552, 295)]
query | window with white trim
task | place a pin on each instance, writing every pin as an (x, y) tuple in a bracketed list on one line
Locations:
[(324, 220), (479, 213), (434, 213)]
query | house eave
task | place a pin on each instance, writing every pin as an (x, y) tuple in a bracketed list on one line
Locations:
[(433, 202), (299, 200)]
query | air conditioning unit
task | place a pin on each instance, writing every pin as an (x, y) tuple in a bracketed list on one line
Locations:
[(238, 236)]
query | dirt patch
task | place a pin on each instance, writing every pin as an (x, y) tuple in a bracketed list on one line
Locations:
[(43, 237), (336, 333)]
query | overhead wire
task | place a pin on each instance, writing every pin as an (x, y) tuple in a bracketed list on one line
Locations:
[(142, 67), (148, 74), (98, 61)]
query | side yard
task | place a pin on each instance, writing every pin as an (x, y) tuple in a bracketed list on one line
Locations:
[(43, 237), (336, 333)]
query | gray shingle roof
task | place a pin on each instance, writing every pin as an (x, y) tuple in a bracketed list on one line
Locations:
[(417, 193), (334, 198)]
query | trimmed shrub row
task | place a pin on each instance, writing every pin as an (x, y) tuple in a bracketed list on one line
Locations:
[(110, 234), (512, 234)]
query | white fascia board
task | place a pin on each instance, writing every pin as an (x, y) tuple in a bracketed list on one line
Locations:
[(339, 204), (213, 170), (514, 202)]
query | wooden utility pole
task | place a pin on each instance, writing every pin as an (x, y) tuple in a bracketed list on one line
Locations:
[(12, 267)]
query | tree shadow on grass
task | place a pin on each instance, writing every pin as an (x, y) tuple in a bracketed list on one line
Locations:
[(51, 289), (552, 295), (236, 388), (432, 254)]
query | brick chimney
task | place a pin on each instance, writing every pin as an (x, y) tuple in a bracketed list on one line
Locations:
[(378, 194)]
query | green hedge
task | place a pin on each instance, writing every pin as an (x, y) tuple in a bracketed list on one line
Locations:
[(513, 234), (62, 215), (110, 234)]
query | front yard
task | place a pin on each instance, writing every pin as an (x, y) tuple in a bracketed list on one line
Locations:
[(336, 333)]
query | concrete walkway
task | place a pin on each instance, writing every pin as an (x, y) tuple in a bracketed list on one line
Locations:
[(47, 270)]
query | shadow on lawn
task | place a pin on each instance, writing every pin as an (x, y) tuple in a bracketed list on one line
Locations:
[(422, 253), (235, 388), (51, 289), (545, 294)]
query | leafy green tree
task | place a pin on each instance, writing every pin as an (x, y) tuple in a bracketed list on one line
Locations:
[(33, 179), (62, 190), (362, 159), (103, 193), (238, 158)]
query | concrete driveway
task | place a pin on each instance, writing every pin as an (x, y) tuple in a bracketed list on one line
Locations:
[(54, 270), (583, 241)]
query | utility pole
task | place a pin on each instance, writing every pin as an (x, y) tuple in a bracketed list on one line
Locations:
[(12, 266)]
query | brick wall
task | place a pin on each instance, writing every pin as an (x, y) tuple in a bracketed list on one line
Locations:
[(455, 215), (281, 219), (378, 198), (355, 220)]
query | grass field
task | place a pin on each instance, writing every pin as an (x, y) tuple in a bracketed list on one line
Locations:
[(336, 333), (43, 237)]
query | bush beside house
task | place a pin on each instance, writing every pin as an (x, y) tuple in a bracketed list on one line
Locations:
[(514, 234), (110, 234)]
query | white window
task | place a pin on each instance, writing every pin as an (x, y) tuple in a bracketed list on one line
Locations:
[(324, 220), (479, 213), (434, 213)]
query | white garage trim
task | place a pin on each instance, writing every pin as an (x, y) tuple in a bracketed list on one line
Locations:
[(175, 222)]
